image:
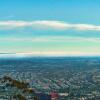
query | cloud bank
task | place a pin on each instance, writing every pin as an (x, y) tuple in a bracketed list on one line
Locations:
[(52, 39), (47, 24)]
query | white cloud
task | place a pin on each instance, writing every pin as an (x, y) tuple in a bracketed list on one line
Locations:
[(60, 53), (52, 39), (47, 24), (50, 53)]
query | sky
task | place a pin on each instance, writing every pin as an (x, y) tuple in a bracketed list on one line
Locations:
[(50, 27)]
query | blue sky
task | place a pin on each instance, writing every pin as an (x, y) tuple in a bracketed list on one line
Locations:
[(50, 27), (75, 11)]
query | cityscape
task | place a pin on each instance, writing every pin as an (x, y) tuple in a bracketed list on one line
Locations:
[(49, 49), (52, 78)]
